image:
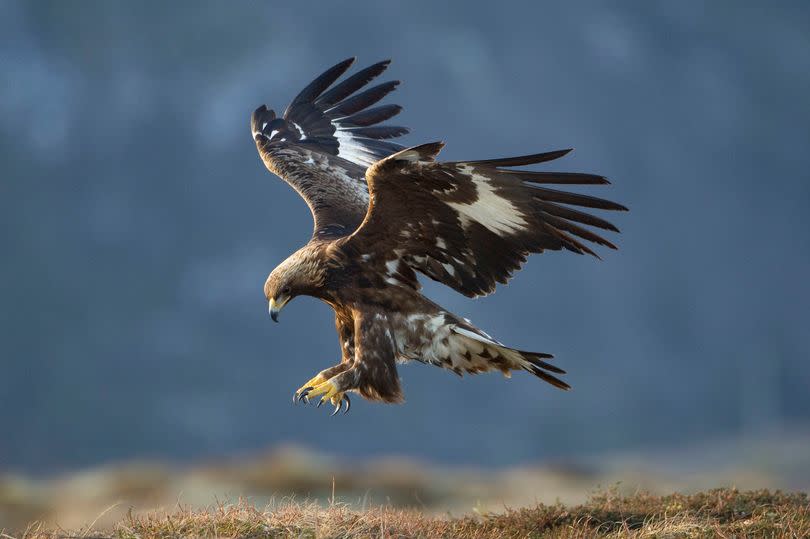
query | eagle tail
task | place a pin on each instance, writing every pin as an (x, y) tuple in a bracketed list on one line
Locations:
[(533, 362), (471, 350)]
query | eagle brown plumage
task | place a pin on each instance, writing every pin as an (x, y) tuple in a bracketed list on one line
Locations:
[(382, 213)]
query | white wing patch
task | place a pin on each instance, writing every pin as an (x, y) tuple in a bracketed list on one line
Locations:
[(392, 273), (349, 147), (301, 134), (494, 212)]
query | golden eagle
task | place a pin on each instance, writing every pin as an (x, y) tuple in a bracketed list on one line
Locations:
[(383, 212)]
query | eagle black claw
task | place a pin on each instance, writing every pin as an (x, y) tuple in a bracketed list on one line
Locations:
[(302, 396), (340, 405)]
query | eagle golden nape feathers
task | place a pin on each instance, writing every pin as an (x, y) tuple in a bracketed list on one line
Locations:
[(338, 120)]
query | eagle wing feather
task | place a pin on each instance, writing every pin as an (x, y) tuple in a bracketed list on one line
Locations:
[(325, 140), (470, 225)]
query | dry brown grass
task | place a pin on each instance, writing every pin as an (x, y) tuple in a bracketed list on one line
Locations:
[(716, 513)]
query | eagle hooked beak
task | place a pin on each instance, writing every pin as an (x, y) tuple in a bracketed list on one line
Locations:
[(276, 306)]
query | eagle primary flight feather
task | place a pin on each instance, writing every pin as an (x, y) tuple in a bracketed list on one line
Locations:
[(382, 213)]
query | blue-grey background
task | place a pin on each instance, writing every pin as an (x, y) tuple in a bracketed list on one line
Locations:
[(138, 225)]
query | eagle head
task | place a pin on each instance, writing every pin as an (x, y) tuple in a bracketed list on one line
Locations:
[(303, 273)]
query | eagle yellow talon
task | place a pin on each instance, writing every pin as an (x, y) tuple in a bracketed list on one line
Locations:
[(301, 392), (327, 389), (328, 392)]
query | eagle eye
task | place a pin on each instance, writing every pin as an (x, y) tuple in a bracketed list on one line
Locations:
[(286, 291)]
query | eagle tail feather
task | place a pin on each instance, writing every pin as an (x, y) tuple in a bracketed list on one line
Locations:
[(474, 351), (546, 377), (533, 363)]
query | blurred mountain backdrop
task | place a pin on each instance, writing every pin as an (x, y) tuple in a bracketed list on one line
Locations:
[(137, 226)]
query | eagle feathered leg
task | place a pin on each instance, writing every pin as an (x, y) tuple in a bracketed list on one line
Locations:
[(369, 370)]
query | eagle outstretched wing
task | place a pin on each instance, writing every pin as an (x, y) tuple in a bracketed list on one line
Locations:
[(472, 224), (325, 140)]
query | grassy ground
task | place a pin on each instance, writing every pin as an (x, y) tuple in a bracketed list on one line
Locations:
[(715, 513)]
